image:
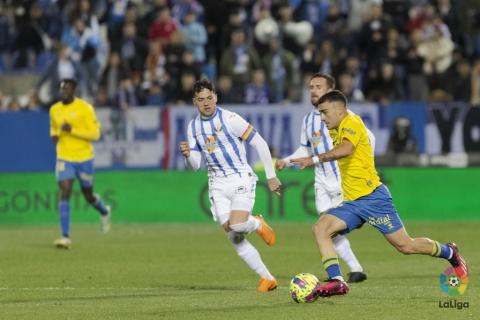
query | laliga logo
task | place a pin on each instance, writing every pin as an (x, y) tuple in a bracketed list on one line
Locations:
[(452, 284)]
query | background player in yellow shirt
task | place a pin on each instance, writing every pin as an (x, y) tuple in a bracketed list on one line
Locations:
[(366, 198), (73, 127)]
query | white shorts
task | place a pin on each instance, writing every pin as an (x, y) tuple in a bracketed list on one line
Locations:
[(327, 197), (231, 193)]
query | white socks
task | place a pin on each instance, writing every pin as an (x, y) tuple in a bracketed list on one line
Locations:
[(342, 247), (249, 254), (247, 227)]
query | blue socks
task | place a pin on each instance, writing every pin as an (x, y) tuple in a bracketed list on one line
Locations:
[(64, 209), (331, 266), (441, 250), (100, 206)]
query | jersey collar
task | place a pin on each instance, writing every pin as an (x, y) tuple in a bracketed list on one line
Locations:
[(203, 118)]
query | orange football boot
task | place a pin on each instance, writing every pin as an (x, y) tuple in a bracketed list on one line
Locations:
[(266, 232), (265, 285)]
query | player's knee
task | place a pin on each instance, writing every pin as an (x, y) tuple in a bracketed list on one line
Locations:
[(320, 229), (235, 237), (239, 227)]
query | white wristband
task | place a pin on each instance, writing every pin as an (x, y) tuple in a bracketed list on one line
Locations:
[(315, 160)]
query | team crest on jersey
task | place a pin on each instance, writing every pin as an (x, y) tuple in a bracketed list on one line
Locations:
[(316, 137), (211, 143)]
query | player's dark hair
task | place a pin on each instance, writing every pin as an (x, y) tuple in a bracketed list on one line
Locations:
[(70, 81), (330, 80), (333, 96), (203, 84)]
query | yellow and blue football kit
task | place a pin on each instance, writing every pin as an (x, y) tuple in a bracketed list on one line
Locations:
[(366, 198), (75, 151)]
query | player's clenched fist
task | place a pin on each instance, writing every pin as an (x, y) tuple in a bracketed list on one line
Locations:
[(280, 164), (185, 149)]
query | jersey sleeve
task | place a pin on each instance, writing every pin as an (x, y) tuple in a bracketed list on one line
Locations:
[(54, 129), (240, 127), (91, 131), (192, 140), (303, 134), (351, 131)]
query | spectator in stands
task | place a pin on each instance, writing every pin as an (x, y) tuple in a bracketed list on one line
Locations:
[(83, 44), (279, 68), (401, 139), (113, 73), (155, 96), (114, 17), (163, 27), (437, 54), (156, 64), (101, 97), (461, 87), (257, 91), (133, 50), (181, 8), (184, 94), (352, 66), (225, 92), (62, 67), (346, 86), (6, 34), (28, 43), (326, 59), (33, 102), (173, 53), (475, 84), (239, 60), (417, 85), (126, 95), (384, 87), (195, 36), (374, 35)]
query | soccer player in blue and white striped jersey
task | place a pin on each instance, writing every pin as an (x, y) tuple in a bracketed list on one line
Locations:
[(315, 139), (219, 136)]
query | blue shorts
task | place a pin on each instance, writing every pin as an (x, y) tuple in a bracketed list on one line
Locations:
[(83, 171), (375, 208)]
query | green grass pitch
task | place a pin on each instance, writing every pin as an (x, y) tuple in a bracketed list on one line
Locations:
[(174, 271)]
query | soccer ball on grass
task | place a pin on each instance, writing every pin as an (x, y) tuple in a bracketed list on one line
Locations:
[(302, 287)]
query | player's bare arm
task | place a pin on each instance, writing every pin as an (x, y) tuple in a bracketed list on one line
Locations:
[(344, 149), (185, 149), (274, 185)]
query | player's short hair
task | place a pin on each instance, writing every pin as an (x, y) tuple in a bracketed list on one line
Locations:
[(333, 96), (203, 84), (330, 80), (70, 81)]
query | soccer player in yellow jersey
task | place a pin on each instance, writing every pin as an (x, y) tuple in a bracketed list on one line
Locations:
[(73, 127), (366, 198)]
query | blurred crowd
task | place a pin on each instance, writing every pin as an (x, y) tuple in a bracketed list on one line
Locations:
[(130, 53)]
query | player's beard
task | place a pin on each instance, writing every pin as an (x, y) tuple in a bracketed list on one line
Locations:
[(314, 101)]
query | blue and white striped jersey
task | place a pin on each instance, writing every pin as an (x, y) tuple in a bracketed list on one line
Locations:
[(220, 138), (315, 135)]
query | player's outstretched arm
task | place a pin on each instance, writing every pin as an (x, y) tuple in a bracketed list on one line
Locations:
[(344, 149), (299, 153), (264, 154)]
